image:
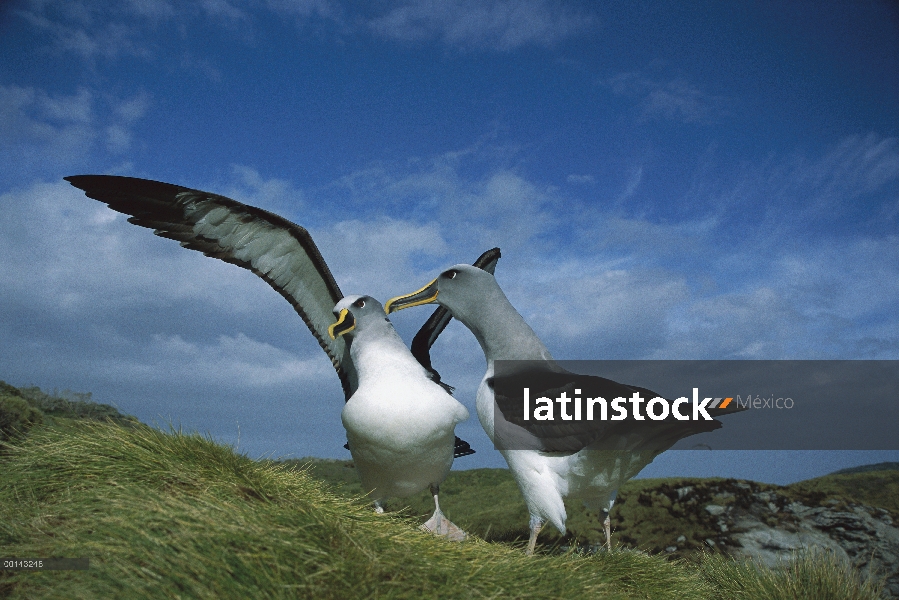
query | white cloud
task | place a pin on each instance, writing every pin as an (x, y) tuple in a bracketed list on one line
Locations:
[(156, 10), (610, 281), (96, 30), (78, 280), (498, 207), (632, 184), (67, 253), (374, 257), (756, 323), (594, 281), (223, 9), (307, 8), (237, 362), (591, 310), (37, 127), (65, 109), (132, 109), (276, 195)]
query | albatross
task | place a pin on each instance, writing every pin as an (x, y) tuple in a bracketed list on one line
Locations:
[(399, 421), (279, 251), (584, 460)]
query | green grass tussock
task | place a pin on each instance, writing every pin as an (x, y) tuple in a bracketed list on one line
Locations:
[(809, 576), (17, 416)]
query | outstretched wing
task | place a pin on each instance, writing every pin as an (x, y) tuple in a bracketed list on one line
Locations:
[(434, 326), (277, 250)]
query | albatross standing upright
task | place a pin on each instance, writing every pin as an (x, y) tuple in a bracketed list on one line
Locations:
[(399, 422), (601, 458), (280, 252)]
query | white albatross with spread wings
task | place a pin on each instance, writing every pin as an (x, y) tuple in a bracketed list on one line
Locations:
[(283, 254), (586, 460)]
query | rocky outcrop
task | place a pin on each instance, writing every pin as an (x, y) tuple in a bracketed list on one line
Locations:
[(863, 536), (754, 520)]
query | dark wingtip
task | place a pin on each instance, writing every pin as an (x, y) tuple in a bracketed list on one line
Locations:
[(462, 448), (487, 261), (75, 179)]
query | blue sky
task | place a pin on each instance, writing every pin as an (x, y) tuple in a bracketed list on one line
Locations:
[(691, 180)]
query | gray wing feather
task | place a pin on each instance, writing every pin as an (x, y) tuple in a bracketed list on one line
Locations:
[(277, 250)]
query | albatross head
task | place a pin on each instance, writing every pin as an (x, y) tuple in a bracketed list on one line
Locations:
[(460, 288), (474, 297), (354, 312)]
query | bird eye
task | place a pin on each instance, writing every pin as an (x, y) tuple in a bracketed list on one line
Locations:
[(360, 303), (451, 274)]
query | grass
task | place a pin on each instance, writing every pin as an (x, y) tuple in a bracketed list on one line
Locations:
[(809, 576), (174, 515)]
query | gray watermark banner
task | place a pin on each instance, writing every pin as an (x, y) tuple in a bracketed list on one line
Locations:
[(647, 405)]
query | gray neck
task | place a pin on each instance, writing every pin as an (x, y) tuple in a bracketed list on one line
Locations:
[(501, 331)]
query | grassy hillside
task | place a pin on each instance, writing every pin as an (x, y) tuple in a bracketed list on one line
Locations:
[(877, 488), (164, 515)]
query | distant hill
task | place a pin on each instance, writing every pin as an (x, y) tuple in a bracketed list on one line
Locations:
[(66, 403), (884, 466), (22, 409)]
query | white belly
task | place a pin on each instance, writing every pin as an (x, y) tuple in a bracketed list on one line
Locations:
[(401, 442)]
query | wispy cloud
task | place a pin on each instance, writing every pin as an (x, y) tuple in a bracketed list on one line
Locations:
[(93, 29), (581, 179), (674, 99), (41, 131), (594, 281), (87, 28), (495, 25), (478, 206), (857, 166), (77, 275), (326, 9)]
